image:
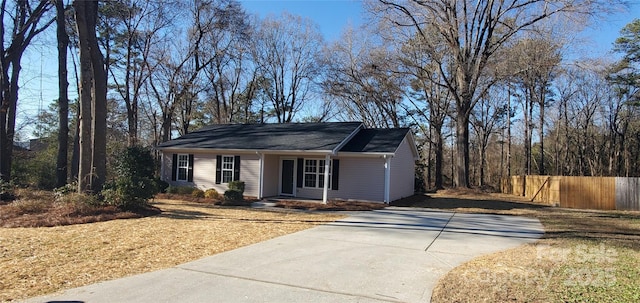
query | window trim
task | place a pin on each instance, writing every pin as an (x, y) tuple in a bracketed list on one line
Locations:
[(185, 167), (317, 173), (223, 169)]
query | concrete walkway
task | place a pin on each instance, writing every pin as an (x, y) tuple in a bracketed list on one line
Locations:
[(391, 255)]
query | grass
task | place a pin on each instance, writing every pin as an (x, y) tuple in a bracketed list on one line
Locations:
[(37, 261), (584, 256)]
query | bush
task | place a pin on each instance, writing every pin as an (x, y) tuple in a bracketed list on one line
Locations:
[(237, 186), (211, 193), (180, 190), (6, 191), (233, 195), (197, 193), (135, 183), (65, 190), (161, 185)]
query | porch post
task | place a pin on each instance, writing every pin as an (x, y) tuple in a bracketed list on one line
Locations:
[(325, 188), (261, 177), (387, 178)]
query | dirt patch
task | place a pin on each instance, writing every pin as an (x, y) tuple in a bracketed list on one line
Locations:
[(330, 206), (37, 261), (483, 202), (584, 256)]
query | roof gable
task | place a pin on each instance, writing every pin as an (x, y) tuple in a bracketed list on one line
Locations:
[(376, 140)]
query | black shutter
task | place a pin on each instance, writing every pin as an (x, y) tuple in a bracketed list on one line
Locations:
[(190, 173), (335, 174), (300, 172), (236, 168), (218, 169), (174, 167)]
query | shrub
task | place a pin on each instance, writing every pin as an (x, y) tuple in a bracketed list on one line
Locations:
[(180, 190), (233, 195), (65, 190), (135, 183), (6, 190), (161, 185), (211, 193), (237, 186), (197, 193)]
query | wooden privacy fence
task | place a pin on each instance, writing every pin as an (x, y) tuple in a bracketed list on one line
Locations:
[(606, 193)]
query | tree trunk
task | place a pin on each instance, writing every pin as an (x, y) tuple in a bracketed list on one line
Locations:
[(439, 154), (541, 170), (99, 106), (462, 147), (86, 84), (509, 131), (93, 104), (63, 99)]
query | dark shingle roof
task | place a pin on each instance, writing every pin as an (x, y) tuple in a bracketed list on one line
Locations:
[(292, 136), (376, 140)]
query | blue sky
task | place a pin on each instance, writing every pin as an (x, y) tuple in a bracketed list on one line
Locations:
[(332, 16)]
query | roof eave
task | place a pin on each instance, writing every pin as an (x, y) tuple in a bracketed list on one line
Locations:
[(244, 151)]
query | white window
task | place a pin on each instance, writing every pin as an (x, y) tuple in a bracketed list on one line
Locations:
[(314, 173), (227, 169), (182, 167)]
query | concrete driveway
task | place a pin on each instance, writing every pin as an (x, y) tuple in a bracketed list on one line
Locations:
[(390, 255)]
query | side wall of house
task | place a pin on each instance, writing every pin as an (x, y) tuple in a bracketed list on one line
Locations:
[(204, 172), (402, 172), (359, 179)]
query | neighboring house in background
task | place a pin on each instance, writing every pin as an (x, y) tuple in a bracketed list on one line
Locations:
[(291, 160)]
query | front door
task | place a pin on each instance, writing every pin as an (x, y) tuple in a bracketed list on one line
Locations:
[(287, 177)]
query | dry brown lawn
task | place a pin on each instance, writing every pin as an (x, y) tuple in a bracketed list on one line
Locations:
[(584, 256), (37, 261)]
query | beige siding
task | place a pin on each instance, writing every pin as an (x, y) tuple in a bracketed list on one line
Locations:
[(204, 172), (359, 179), (402, 172), (271, 175), (250, 174)]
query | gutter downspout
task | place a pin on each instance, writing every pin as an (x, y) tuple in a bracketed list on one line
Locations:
[(325, 188), (387, 178)]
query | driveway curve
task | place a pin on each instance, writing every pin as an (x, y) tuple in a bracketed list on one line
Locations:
[(390, 255)]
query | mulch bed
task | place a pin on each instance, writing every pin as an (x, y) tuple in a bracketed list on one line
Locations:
[(330, 206)]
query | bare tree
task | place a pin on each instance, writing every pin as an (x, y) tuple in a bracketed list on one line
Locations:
[(22, 20), (365, 78), (485, 120), (131, 28), (430, 99), (231, 73), (287, 50), (178, 81), (474, 32)]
